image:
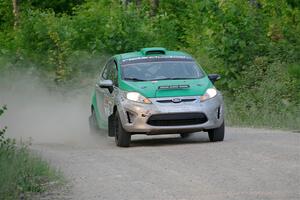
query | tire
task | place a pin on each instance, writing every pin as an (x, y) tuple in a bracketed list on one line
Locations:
[(185, 135), (122, 137), (217, 134), (93, 123)]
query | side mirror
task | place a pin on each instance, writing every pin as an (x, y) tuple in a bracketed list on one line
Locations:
[(106, 84), (214, 77)]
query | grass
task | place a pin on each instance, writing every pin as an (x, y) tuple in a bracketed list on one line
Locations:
[(23, 173), (267, 117), (265, 98)]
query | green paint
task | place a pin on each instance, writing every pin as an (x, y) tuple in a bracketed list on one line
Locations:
[(102, 124), (150, 89)]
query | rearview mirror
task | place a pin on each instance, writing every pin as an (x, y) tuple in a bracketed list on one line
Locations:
[(214, 77), (106, 84)]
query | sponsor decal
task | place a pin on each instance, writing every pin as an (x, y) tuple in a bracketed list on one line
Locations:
[(170, 87)]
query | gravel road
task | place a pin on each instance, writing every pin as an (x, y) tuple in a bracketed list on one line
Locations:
[(249, 164)]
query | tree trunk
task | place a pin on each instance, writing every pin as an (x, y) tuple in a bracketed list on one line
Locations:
[(154, 5), (255, 3), (138, 3), (16, 13)]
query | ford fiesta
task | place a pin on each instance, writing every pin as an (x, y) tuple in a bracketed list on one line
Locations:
[(156, 91)]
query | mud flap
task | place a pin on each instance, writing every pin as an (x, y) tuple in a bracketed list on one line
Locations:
[(111, 126)]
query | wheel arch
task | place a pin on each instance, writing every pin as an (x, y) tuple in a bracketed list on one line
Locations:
[(111, 122)]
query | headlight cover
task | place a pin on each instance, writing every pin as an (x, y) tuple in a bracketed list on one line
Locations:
[(210, 93), (137, 97)]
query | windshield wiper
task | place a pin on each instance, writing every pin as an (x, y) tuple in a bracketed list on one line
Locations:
[(133, 79)]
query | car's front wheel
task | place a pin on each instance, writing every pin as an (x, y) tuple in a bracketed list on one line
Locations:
[(217, 134), (122, 137)]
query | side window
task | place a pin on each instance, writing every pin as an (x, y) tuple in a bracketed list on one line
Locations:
[(112, 72)]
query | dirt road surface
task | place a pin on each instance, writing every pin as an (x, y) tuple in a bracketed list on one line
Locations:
[(249, 164)]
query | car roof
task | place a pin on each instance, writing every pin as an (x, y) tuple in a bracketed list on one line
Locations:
[(151, 52)]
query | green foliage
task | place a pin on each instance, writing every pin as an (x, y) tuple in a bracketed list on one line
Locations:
[(6, 14), (3, 140), (268, 100), (230, 32), (22, 173), (254, 46), (2, 109), (58, 6)]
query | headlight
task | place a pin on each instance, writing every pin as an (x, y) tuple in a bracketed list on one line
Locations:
[(210, 93), (135, 96)]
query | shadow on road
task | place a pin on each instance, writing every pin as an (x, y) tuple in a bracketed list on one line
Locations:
[(153, 140), (168, 140)]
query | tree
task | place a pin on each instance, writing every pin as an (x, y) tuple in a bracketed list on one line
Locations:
[(61, 6), (15, 12), (154, 5)]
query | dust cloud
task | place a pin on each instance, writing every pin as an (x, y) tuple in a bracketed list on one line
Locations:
[(43, 115)]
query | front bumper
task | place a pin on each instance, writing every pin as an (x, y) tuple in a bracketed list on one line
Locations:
[(190, 115)]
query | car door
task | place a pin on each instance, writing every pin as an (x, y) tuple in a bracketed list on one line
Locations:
[(105, 99), (109, 97)]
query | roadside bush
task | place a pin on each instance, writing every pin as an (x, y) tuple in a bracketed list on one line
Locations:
[(22, 173), (268, 100), (3, 140)]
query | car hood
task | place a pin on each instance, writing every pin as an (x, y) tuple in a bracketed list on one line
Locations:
[(168, 88)]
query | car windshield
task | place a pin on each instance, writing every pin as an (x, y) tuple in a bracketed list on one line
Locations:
[(162, 70)]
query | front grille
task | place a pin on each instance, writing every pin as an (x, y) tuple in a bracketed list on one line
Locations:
[(171, 101), (177, 119)]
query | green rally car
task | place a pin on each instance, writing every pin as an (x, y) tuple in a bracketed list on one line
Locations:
[(156, 91)]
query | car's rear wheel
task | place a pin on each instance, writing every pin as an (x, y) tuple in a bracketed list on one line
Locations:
[(93, 123), (217, 134), (185, 135), (122, 137)]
